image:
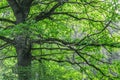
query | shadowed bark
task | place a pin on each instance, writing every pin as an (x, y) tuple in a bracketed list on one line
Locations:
[(21, 42), (23, 49)]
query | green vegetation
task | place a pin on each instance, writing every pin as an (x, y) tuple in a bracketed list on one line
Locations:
[(59, 40)]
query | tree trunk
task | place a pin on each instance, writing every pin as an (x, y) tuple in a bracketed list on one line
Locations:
[(23, 49), (22, 45)]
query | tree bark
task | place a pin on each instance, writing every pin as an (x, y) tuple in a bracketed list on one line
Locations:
[(23, 49), (22, 43)]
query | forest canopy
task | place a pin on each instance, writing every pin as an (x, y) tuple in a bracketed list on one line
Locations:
[(59, 39)]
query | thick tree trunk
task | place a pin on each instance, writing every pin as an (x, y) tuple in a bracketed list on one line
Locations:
[(21, 10), (23, 49)]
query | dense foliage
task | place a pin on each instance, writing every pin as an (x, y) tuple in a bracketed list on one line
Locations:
[(59, 39)]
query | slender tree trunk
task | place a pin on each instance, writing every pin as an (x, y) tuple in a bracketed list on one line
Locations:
[(23, 49)]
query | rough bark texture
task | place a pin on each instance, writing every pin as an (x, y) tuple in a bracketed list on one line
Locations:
[(23, 49), (22, 43)]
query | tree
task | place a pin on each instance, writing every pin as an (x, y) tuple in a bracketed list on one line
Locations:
[(77, 32)]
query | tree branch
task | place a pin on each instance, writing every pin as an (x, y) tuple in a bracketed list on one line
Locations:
[(7, 57), (20, 9), (6, 39), (98, 69), (3, 46), (44, 15), (78, 43), (56, 60), (7, 20), (75, 17), (3, 7), (51, 48)]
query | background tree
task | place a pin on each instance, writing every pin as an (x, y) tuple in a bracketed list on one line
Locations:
[(78, 34)]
